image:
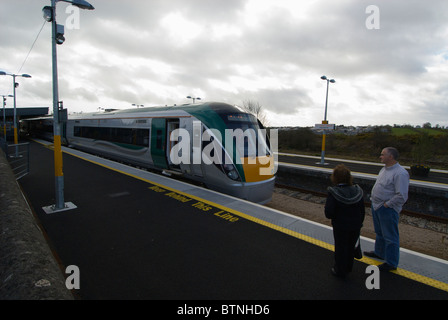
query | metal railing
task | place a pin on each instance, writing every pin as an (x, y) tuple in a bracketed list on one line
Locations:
[(18, 156)]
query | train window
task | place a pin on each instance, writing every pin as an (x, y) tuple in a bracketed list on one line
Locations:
[(129, 136), (246, 134)]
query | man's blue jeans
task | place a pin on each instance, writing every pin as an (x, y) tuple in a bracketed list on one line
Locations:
[(387, 243)]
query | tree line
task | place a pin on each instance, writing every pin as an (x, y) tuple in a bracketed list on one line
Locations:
[(426, 145), (416, 147)]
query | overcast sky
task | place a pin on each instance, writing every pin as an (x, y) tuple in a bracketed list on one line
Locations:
[(390, 64)]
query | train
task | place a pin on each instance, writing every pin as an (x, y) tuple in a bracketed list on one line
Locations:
[(216, 144)]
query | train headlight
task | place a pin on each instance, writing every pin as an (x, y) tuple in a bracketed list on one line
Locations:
[(233, 175), (231, 172)]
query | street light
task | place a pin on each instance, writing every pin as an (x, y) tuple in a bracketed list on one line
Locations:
[(194, 98), (322, 160), (3, 73), (48, 10), (49, 14), (4, 115)]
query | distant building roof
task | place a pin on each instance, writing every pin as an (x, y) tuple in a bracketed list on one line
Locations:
[(25, 112)]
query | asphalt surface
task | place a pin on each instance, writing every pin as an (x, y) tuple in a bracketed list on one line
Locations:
[(131, 240), (28, 269)]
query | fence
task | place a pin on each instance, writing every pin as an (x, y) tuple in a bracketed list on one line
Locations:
[(18, 156)]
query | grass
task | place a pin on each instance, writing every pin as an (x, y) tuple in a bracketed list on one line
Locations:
[(411, 131)]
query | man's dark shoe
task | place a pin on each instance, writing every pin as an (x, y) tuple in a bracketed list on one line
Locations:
[(372, 254), (386, 267)]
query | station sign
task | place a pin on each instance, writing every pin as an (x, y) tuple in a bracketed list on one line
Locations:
[(324, 126)]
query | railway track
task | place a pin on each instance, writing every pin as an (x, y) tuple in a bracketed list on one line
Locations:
[(319, 197)]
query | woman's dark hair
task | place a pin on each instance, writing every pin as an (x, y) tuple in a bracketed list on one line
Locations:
[(341, 174)]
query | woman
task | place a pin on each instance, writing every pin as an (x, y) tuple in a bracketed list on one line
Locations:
[(345, 208)]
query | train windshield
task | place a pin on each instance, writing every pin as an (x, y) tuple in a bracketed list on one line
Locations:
[(249, 136)]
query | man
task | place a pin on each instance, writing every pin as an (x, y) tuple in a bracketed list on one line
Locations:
[(389, 194)]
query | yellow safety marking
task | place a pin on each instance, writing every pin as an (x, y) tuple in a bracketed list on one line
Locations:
[(57, 157), (323, 142), (410, 275), (404, 273), (16, 137)]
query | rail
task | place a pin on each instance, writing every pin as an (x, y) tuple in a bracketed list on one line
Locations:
[(366, 203)]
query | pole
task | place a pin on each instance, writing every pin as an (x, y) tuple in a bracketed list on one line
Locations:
[(59, 176), (322, 159), (4, 118), (14, 125)]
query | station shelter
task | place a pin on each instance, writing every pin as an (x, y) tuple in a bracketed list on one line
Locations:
[(21, 113)]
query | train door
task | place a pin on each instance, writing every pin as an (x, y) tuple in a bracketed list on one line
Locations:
[(158, 143), (196, 143), (172, 125)]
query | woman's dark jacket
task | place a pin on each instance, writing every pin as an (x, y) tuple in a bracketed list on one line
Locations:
[(345, 207)]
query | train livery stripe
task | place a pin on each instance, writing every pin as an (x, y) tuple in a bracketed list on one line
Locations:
[(211, 119), (258, 168), (402, 272)]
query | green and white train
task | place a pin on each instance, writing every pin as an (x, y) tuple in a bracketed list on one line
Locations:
[(216, 144)]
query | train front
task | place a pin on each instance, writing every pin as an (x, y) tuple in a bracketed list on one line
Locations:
[(248, 159)]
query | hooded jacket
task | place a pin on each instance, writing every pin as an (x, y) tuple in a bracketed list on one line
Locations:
[(345, 207)]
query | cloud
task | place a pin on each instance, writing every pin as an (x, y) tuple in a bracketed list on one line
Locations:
[(158, 52)]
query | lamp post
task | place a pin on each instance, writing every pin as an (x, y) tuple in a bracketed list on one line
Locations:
[(4, 113), (49, 13), (322, 159), (3, 73), (194, 98)]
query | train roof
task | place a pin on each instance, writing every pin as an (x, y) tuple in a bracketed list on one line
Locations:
[(204, 112), (214, 106), (189, 108)]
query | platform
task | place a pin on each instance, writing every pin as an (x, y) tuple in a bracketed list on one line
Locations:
[(427, 195), (139, 235), (437, 179)]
